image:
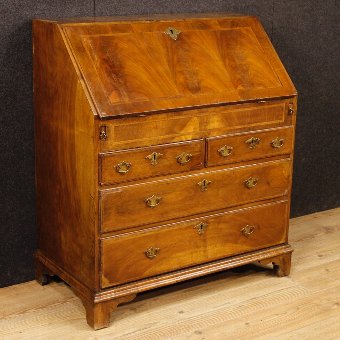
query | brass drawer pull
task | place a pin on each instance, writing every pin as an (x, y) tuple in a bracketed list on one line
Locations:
[(123, 167), (277, 142), (201, 227), (154, 157), (151, 252), (248, 230), (252, 142), (153, 201), (251, 182), (225, 150), (204, 184), (184, 158), (172, 33)]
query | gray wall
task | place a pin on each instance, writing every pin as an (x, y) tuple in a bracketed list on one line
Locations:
[(305, 34)]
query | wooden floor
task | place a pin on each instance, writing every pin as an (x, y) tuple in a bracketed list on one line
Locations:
[(247, 303)]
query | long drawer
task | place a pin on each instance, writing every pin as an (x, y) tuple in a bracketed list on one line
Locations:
[(192, 124), (153, 251), (176, 197)]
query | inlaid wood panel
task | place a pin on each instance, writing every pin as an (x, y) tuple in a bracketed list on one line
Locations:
[(169, 127), (134, 67), (247, 146), (157, 160), (140, 204), (157, 250)]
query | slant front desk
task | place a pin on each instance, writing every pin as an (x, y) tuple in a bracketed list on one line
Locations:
[(164, 150)]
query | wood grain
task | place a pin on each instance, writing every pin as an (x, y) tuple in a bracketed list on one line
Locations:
[(66, 167), (240, 150), (143, 167), (182, 196), (243, 304), (182, 244), (159, 128), (110, 95), (213, 61)]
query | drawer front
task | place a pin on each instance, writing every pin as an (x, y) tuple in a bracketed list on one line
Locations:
[(150, 252), (192, 124), (162, 200), (247, 146), (134, 164)]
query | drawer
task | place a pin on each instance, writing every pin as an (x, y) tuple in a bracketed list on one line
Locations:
[(191, 124), (251, 145), (134, 164), (176, 197), (137, 255)]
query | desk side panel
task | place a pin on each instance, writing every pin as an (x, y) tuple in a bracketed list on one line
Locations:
[(66, 169)]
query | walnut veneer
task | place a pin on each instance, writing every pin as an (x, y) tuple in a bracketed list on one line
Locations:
[(164, 150)]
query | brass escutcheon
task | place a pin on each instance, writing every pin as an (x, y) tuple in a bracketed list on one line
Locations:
[(225, 150), (184, 158), (252, 142), (290, 109), (201, 227), (123, 167), (250, 182), (151, 252), (153, 201), (248, 230), (204, 184), (173, 33), (154, 157), (102, 133), (277, 142)]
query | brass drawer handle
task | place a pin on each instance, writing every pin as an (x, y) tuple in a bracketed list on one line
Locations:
[(252, 142), (123, 167), (154, 157), (151, 252), (251, 182), (225, 150), (204, 184), (201, 227), (277, 143), (248, 230), (184, 158), (153, 201), (172, 33)]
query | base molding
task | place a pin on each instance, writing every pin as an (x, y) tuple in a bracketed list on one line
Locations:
[(100, 304)]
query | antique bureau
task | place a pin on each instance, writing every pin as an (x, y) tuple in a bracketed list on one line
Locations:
[(164, 150)]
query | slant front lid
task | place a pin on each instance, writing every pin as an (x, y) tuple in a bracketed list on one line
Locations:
[(143, 66)]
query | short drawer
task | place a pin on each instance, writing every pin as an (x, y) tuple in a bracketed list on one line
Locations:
[(176, 197), (133, 164), (137, 255), (251, 145)]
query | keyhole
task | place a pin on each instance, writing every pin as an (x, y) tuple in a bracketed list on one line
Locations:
[(171, 31)]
